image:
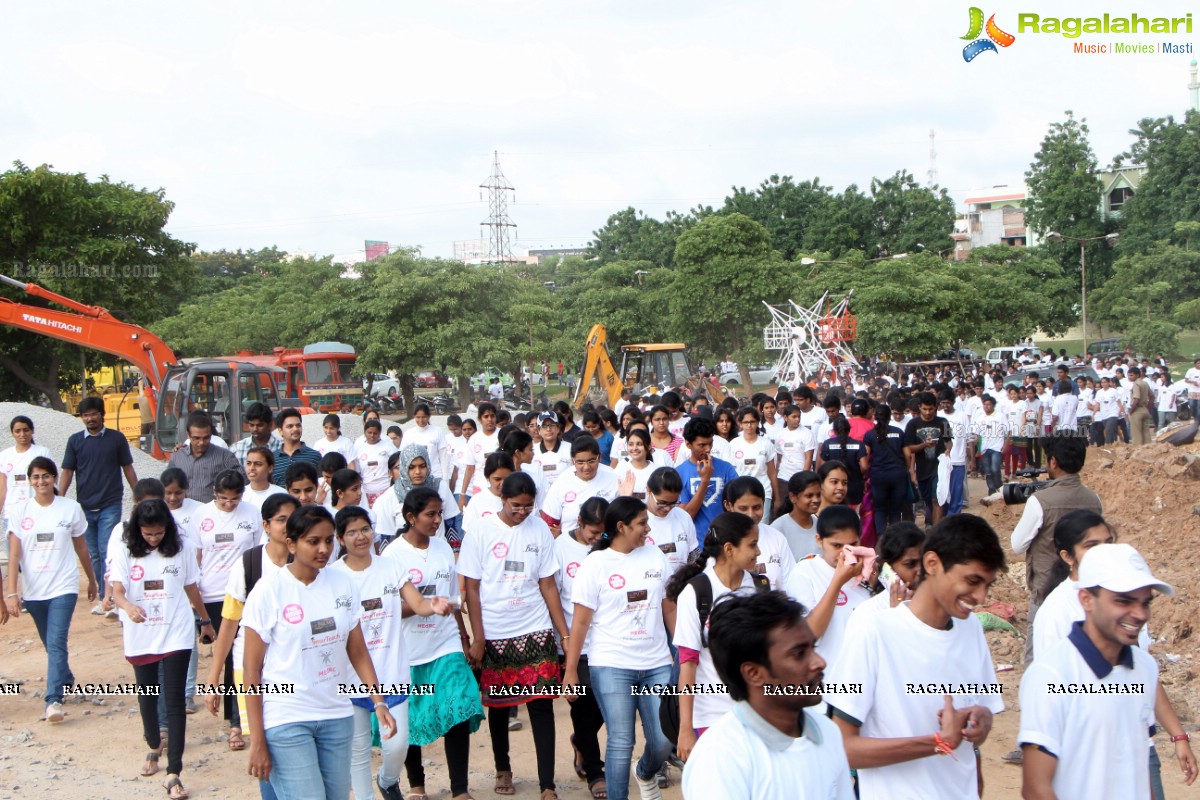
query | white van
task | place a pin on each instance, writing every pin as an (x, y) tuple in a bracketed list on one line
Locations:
[(1001, 355)]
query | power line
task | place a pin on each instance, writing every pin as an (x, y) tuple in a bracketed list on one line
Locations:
[(498, 221)]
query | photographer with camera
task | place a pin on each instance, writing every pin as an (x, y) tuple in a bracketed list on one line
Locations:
[(1034, 534)]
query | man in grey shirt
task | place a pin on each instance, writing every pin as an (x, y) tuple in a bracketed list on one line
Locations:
[(200, 460)]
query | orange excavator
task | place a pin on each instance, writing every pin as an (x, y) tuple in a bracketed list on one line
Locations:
[(173, 388), (645, 369)]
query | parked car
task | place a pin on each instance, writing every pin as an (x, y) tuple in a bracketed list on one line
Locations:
[(1001, 355), (965, 354), (1110, 348), (760, 375), (432, 379), (382, 385), (1048, 372)]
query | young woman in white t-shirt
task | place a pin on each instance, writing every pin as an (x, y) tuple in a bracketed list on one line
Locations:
[(372, 457), (795, 447), (437, 647), (258, 465), (154, 576), (672, 530), (745, 495), (900, 554), (731, 545), (586, 718), (14, 462), (509, 564), (45, 538), (828, 585), (639, 462), (753, 453), (303, 632), (333, 441), (183, 508), (561, 508), (385, 592), (661, 437), (618, 596), (409, 469), (798, 516), (487, 503)]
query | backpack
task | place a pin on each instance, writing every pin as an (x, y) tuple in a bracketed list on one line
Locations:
[(668, 706), (252, 563)]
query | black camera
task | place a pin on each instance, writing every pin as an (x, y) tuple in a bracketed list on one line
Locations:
[(1018, 492)]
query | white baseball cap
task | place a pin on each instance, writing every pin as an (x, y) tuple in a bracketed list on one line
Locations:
[(1118, 568)]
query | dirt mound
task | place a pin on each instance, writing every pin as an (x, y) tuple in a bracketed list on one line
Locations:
[(1152, 495)]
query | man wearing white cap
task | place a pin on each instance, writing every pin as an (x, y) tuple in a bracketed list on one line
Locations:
[(1087, 702)]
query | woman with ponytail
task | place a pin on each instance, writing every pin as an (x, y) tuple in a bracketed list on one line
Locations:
[(729, 553), (618, 596)]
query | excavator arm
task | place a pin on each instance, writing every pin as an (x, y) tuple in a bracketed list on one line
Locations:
[(91, 326), (597, 365)]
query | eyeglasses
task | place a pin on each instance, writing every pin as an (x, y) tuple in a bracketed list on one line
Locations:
[(590, 462), (41, 478), (367, 531), (522, 509), (665, 504)]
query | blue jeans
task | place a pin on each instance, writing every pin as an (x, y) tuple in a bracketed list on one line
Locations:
[(958, 485), (100, 523), (1156, 784), (993, 461), (618, 705), (311, 760), (53, 620)]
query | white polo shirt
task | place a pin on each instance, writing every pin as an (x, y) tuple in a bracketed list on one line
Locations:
[(743, 756), (1096, 737)]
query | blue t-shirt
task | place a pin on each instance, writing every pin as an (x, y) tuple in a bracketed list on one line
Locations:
[(97, 462), (723, 472)]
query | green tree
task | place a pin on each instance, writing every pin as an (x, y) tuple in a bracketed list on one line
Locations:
[(1064, 196), (629, 235), (99, 242), (219, 270), (907, 217), (791, 212), (725, 269), (1149, 294), (1170, 190)]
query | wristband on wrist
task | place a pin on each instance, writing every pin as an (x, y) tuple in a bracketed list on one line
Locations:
[(942, 748), (204, 622), (1182, 737), (381, 705)]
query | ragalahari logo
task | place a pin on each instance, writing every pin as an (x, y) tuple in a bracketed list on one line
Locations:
[(995, 36)]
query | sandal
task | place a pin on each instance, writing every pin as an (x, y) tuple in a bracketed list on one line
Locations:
[(504, 784), (417, 796), (549, 794), (599, 789), (236, 742), (578, 760), (151, 765), (175, 789)]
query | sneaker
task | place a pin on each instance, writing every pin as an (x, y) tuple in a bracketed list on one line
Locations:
[(664, 780), (189, 705), (98, 609), (514, 724), (110, 614), (1014, 757), (54, 712), (391, 792), (648, 787)]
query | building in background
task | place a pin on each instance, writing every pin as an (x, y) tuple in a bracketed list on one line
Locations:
[(1117, 185), (993, 216)]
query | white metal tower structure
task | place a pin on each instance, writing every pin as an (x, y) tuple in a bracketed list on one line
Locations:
[(931, 177), (1194, 88), (812, 341), (499, 249)]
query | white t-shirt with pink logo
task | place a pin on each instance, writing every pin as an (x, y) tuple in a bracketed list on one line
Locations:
[(479, 447), (49, 566), (625, 592), (480, 507), (751, 459), (155, 583), (807, 584), (570, 557), (380, 612), (305, 629), (509, 562), (569, 493), (221, 539), (14, 467), (433, 572)]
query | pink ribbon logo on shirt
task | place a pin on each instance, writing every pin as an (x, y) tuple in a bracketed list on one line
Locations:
[(572, 568), (500, 550), (293, 613), (207, 525), (136, 572), (569, 497), (616, 581), (842, 599), (415, 576), (27, 524)]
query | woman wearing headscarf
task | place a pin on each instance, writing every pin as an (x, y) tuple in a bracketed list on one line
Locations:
[(409, 469)]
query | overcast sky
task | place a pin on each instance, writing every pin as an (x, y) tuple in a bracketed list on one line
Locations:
[(314, 126)]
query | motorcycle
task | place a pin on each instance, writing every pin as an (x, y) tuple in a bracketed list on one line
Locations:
[(442, 404)]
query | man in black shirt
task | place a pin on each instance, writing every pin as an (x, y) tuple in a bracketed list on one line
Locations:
[(925, 438)]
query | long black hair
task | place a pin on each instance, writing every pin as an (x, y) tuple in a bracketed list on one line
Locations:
[(1068, 532), (795, 485), (415, 502), (729, 528), (152, 512), (622, 510)]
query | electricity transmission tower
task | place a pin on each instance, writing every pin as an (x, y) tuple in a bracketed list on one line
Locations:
[(499, 249)]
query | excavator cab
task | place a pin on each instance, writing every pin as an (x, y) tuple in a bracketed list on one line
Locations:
[(221, 389), (654, 367)]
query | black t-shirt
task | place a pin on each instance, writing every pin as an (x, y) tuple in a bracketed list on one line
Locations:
[(919, 432), (831, 450)]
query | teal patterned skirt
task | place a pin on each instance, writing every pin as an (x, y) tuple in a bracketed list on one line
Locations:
[(455, 699)]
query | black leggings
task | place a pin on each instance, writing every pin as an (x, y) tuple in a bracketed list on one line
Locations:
[(230, 700), (457, 742), (586, 721), (889, 492), (175, 667), (541, 720)]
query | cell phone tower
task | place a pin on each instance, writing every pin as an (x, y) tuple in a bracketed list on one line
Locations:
[(498, 222)]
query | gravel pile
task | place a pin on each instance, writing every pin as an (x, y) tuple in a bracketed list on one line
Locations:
[(51, 429)]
